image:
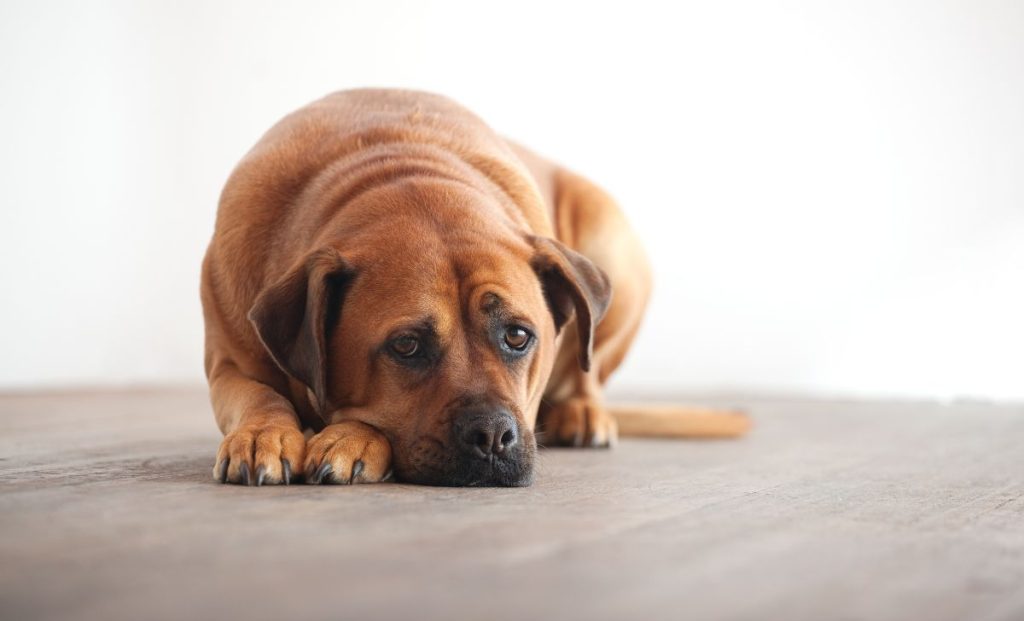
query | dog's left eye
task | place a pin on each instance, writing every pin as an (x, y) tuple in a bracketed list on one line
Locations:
[(517, 338), (406, 346)]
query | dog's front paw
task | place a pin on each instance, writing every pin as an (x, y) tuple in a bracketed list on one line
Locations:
[(579, 422), (260, 454), (348, 452)]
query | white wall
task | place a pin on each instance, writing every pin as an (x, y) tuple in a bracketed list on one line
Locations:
[(833, 194)]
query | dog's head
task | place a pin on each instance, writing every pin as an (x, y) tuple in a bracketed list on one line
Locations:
[(438, 328)]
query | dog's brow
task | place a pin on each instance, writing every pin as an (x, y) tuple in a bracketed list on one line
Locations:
[(426, 324), (499, 311), (496, 308), (492, 304)]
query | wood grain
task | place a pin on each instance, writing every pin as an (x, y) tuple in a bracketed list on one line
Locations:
[(826, 510)]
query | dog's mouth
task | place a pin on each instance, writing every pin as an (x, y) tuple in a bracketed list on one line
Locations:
[(431, 462)]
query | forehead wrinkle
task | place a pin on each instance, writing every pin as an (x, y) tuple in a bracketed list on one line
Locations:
[(413, 286), (481, 272)]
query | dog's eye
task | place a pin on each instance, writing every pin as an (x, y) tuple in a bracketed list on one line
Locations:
[(517, 338), (406, 346)]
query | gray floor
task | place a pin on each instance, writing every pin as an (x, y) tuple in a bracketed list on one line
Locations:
[(828, 510)]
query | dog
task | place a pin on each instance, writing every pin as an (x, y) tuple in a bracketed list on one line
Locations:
[(390, 275)]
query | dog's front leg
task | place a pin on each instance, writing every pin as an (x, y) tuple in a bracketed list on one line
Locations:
[(262, 439), (348, 452)]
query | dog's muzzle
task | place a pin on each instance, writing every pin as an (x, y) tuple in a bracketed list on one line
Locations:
[(485, 446), (490, 448)]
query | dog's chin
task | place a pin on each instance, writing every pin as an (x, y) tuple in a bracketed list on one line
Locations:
[(450, 469), (483, 475)]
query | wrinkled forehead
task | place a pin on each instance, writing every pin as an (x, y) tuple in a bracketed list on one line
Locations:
[(447, 285)]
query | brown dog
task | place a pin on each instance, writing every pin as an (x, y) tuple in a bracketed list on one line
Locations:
[(391, 274)]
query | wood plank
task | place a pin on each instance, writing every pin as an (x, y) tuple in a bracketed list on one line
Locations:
[(826, 510)]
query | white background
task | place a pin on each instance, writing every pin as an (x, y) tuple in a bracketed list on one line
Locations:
[(832, 194)]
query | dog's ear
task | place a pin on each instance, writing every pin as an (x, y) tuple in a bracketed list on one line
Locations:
[(291, 318), (571, 282)]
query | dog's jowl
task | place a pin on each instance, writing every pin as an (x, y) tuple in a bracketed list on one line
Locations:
[(421, 294)]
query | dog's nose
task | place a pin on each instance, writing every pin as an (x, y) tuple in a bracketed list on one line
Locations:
[(488, 433)]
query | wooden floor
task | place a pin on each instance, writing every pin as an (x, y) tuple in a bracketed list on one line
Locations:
[(826, 511)]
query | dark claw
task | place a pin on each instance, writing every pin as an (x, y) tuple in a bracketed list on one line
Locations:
[(357, 469), (222, 470), (323, 471), (286, 471), (243, 470), (261, 474)]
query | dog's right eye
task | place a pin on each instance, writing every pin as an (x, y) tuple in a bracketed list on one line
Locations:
[(406, 346)]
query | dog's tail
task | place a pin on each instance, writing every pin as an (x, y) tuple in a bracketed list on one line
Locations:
[(678, 421)]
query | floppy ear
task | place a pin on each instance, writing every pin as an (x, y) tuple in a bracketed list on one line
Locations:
[(290, 318), (571, 282)]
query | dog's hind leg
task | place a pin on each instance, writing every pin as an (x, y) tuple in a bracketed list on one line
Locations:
[(573, 412), (588, 220)]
